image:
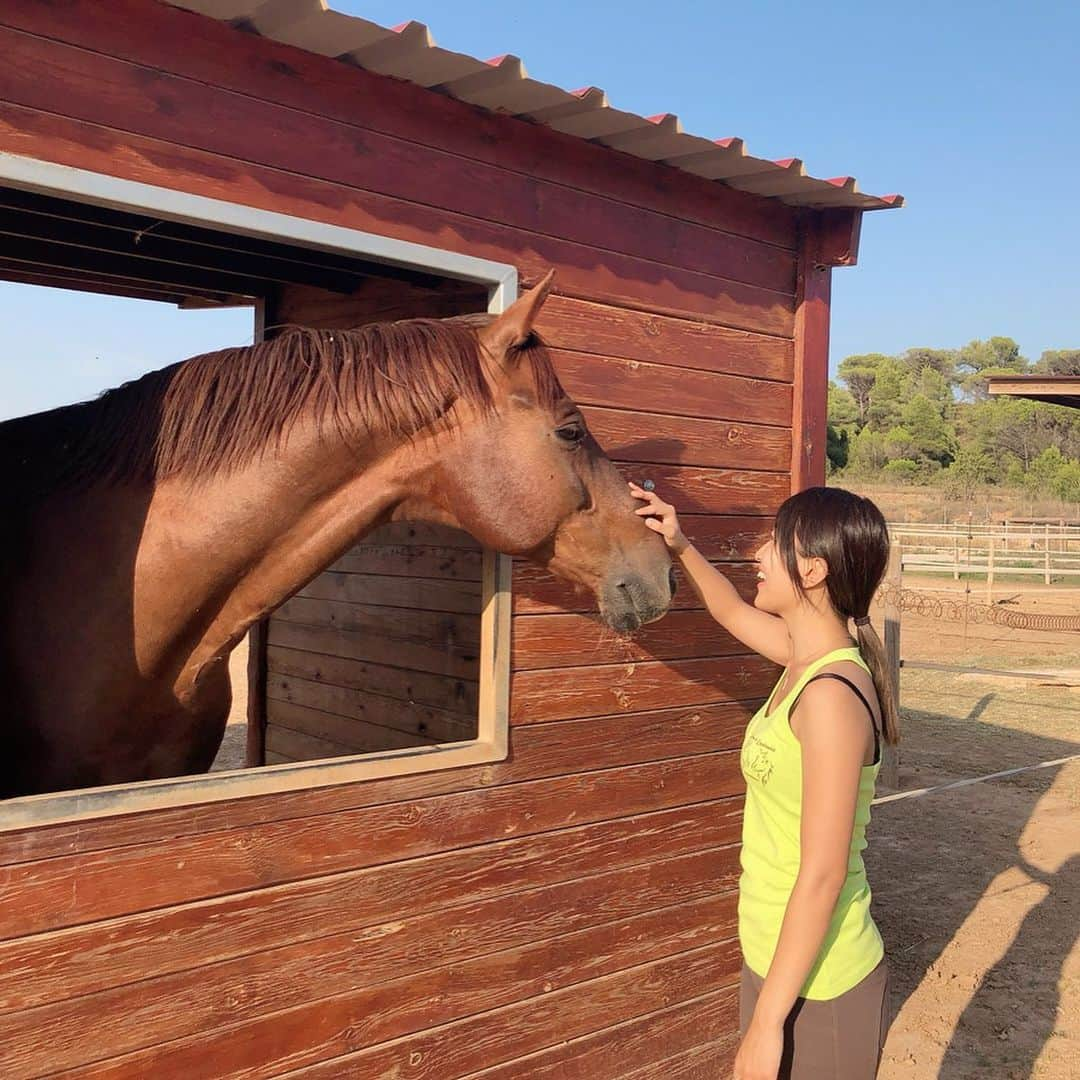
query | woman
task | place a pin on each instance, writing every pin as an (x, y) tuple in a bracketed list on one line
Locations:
[(813, 989)]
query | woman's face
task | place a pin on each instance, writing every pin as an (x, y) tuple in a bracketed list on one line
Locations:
[(776, 592)]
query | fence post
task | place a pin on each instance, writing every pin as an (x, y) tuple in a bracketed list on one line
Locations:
[(1047, 574), (990, 570), (956, 557), (890, 755)]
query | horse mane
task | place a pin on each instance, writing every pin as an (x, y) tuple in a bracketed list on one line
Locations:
[(221, 410)]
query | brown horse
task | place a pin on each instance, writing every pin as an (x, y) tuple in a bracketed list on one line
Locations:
[(145, 532)]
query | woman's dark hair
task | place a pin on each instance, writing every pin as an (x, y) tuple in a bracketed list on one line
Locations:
[(850, 534)]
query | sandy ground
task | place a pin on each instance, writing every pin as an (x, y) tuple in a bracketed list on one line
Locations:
[(233, 746), (977, 889)]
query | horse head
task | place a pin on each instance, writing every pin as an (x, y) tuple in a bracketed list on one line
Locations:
[(523, 475)]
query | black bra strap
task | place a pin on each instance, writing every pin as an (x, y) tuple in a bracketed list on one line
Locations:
[(858, 693)]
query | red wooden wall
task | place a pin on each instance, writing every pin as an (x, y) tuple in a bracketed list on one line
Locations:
[(568, 912)]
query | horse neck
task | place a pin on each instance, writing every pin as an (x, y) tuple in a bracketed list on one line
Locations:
[(218, 555)]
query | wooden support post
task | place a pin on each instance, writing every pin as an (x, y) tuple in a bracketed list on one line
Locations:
[(890, 755), (990, 570), (956, 558), (1046, 576), (255, 747)]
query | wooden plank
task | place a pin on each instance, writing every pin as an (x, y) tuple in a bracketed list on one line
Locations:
[(155, 942), (462, 597), (402, 623), (659, 388), (56, 78), (39, 897), (536, 592), (707, 1061), (482, 1041), (407, 560), (552, 641), (580, 326), (337, 684), (325, 1026), (295, 746), (378, 300), (282, 977), (255, 741), (368, 711), (694, 490), (363, 736), (676, 440), (298, 733), (450, 657), (723, 538), (653, 1045), (811, 386), (537, 696), (301, 81)]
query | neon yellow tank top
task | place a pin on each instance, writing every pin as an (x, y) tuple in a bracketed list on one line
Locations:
[(771, 763)]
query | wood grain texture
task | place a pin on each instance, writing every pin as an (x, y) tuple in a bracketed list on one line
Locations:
[(537, 592), (462, 597), (571, 1012), (538, 696), (591, 379), (364, 1013), (550, 641), (349, 687), (302, 733), (809, 419), (631, 437), (664, 1045), (447, 652), (38, 896), (581, 326), (199, 1001), (128, 948)]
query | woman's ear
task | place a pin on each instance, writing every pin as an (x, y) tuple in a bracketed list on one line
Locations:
[(815, 571)]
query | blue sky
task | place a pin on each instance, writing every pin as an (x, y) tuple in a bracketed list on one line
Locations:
[(969, 109)]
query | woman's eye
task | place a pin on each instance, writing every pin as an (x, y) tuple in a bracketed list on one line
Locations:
[(571, 433)]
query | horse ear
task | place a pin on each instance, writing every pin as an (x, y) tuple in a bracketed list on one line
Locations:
[(513, 326)]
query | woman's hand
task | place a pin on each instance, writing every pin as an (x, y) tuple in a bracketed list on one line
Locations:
[(661, 518), (759, 1052)]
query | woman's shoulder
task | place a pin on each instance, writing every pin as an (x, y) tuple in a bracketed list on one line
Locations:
[(832, 694)]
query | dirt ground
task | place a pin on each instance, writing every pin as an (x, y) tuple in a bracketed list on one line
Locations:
[(234, 745), (977, 889)]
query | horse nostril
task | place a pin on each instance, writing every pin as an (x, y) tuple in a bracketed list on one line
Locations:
[(673, 581)]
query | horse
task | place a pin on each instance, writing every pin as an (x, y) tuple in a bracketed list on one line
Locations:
[(146, 531)]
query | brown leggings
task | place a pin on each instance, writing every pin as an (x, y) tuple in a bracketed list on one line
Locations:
[(840, 1039)]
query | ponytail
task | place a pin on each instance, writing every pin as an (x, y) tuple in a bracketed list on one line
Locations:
[(873, 652)]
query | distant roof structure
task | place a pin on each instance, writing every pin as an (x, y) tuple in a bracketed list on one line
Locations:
[(1054, 389), (502, 85)]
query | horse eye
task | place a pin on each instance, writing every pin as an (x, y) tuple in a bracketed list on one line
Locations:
[(571, 433)]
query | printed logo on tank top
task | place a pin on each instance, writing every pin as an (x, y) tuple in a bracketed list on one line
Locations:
[(757, 759)]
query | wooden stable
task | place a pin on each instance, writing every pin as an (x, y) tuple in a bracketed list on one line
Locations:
[(567, 911)]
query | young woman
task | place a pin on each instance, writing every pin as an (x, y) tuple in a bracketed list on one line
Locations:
[(814, 981)]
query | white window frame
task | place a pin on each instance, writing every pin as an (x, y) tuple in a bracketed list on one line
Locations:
[(491, 743)]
